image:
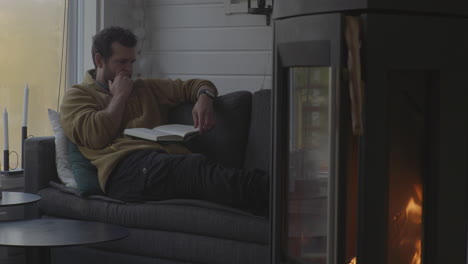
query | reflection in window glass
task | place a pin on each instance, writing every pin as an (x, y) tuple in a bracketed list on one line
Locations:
[(31, 47), (308, 164)]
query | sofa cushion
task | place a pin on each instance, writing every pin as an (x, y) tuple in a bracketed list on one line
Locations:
[(64, 170), (84, 172), (185, 216), (225, 143)]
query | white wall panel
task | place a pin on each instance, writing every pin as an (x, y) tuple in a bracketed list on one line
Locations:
[(123, 13), (211, 63), (196, 39), (199, 16), (182, 2), (212, 39), (231, 83)]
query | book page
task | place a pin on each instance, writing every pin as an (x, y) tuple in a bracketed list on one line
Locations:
[(176, 129), (146, 133)]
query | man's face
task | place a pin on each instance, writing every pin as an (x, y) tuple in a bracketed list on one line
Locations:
[(122, 60)]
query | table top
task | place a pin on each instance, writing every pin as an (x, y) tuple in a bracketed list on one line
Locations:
[(57, 232), (18, 198)]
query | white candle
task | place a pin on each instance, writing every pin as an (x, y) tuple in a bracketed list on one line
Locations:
[(5, 129), (25, 105)]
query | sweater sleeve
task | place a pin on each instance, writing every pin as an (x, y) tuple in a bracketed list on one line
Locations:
[(84, 121), (173, 92)]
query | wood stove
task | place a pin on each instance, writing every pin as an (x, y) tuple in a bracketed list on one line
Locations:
[(370, 129)]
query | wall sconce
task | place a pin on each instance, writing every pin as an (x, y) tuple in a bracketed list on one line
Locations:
[(264, 7), (261, 9)]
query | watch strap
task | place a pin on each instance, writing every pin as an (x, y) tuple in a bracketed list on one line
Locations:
[(207, 92)]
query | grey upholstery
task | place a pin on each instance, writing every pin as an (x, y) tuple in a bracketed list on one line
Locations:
[(173, 231), (227, 141), (196, 217), (258, 150), (40, 166), (144, 245)]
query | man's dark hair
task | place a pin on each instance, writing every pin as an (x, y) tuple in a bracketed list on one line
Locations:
[(102, 41)]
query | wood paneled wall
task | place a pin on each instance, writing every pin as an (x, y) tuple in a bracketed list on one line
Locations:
[(196, 39)]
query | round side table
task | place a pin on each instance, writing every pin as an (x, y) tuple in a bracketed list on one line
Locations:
[(18, 198), (46, 233), (7, 201)]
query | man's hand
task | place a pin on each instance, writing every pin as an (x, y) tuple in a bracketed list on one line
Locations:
[(121, 86), (203, 114)]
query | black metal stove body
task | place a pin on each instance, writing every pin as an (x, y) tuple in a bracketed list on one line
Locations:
[(397, 192)]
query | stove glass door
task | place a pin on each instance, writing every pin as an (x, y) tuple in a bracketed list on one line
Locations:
[(308, 204)]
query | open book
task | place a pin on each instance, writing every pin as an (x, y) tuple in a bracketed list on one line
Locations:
[(172, 132)]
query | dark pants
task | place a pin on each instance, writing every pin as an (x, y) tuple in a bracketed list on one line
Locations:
[(152, 175)]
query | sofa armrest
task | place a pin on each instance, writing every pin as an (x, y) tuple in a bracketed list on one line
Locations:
[(226, 142), (39, 163), (258, 149)]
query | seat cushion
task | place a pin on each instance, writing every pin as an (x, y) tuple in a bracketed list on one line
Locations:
[(186, 216), (161, 247)]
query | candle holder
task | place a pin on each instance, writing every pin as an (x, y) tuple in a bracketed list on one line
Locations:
[(11, 173), (24, 135), (6, 160)]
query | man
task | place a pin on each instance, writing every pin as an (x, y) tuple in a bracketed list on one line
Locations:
[(95, 113)]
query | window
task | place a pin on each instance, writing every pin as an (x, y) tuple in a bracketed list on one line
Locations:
[(33, 51)]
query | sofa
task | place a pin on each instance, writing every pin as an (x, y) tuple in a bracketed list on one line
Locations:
[(177, 231)]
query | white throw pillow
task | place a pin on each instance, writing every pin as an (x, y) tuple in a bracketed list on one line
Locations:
[(64, 171)]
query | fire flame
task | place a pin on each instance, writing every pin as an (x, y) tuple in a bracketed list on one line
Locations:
[(413, 212), (417, 255), (407, 230), (414, 215)]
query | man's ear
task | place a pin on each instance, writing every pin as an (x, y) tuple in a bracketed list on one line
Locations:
[(99, 60)]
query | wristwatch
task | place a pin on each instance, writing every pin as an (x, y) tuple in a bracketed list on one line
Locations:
[(207, 92)]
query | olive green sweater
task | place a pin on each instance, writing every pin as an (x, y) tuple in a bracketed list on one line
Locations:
[(92, 130)]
